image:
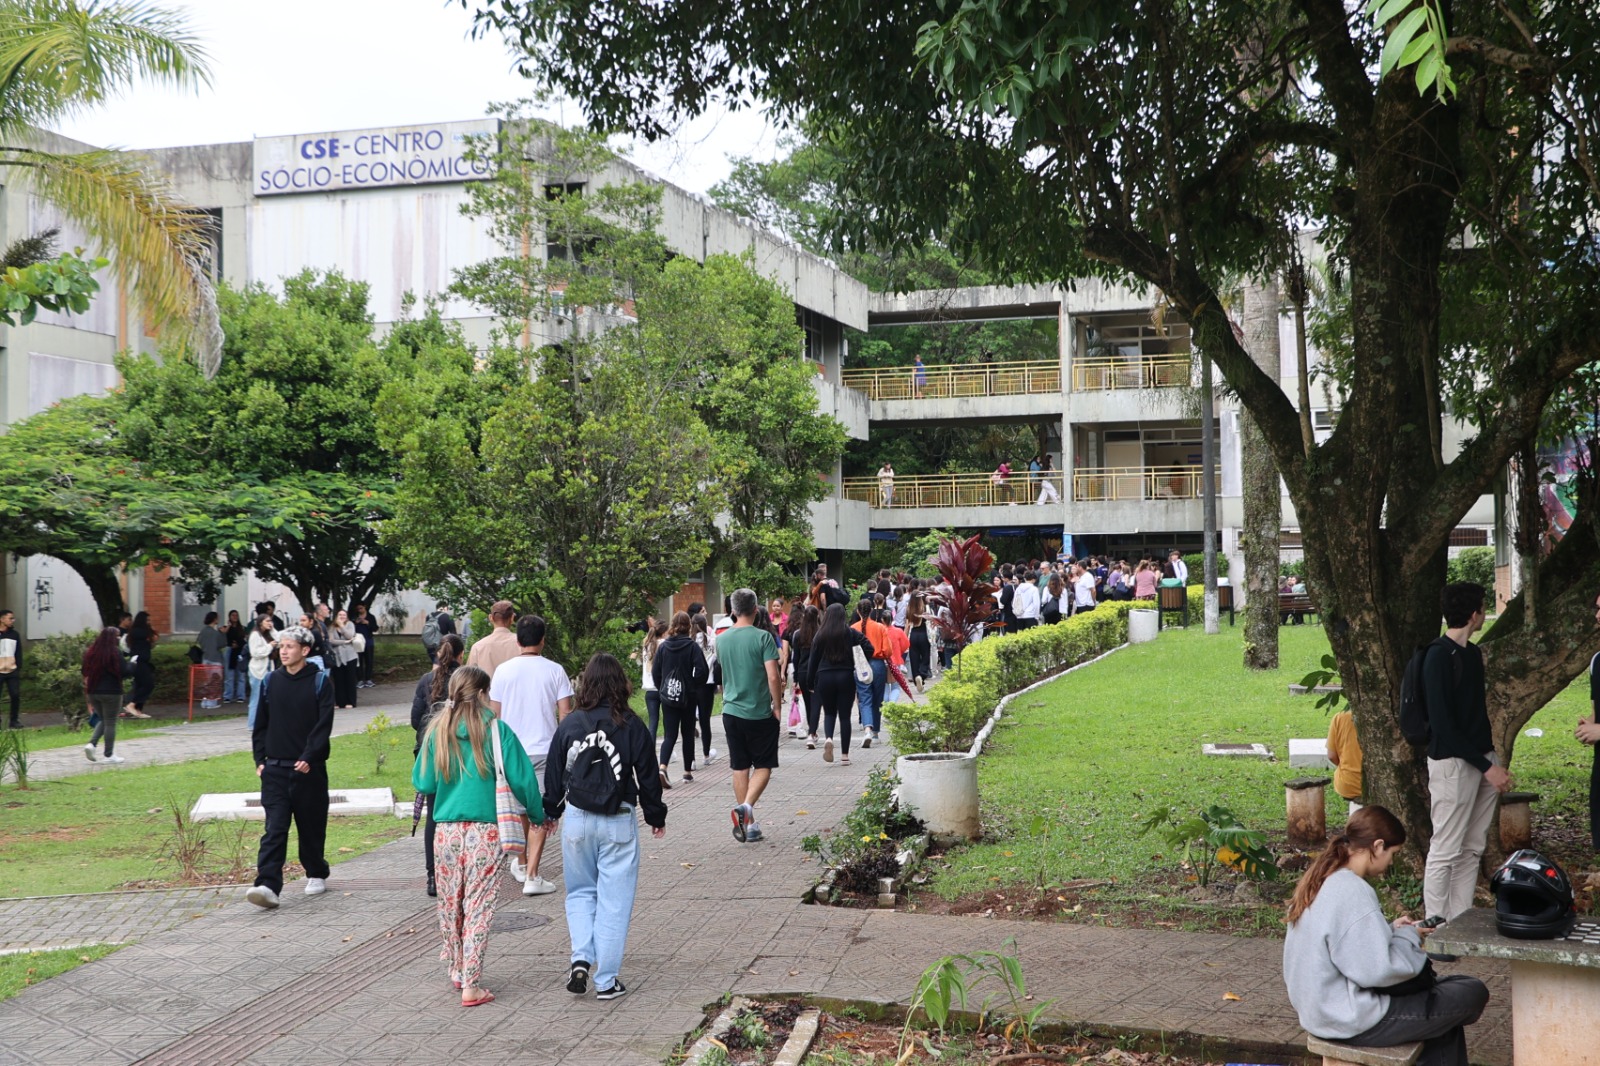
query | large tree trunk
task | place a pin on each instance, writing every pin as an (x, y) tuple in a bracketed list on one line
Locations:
[(1263, 498), (105, 585)]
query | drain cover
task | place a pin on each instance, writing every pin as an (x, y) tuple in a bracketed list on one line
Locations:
[(512, 923)]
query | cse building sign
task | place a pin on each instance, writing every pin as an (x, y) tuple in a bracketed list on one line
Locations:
[(368, 159)]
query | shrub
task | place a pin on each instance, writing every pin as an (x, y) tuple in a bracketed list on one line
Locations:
[(56, 664), (993, 668), (1197, 567), (1475, 565)]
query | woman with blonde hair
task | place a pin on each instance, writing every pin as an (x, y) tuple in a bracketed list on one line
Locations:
[(456, 765), (1354, 976)]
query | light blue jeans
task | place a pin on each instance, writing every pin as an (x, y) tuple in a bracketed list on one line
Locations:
[(600, 861), (255, 699), (869, 694), (233, 682)]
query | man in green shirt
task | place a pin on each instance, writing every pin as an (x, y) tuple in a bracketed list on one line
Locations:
[(752, 700)]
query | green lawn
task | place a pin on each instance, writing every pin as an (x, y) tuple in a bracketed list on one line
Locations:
[(94, 832), (1100, 749), (23, 970)]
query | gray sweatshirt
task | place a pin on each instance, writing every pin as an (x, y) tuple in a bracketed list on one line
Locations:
[(1342, 947)]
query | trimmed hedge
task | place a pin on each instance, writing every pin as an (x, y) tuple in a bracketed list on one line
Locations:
[(993, 668)]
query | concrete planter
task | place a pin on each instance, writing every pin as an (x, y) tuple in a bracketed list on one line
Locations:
[(941, 788), (1143, 626)]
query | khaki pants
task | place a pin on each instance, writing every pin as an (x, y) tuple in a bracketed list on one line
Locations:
[(1463, 803)]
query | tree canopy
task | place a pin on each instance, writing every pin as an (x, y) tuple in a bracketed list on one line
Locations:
[(1185, 143)]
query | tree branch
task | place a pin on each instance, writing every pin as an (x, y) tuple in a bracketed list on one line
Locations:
[(1526, 385), (1244, 148), (1498, 55), (1344, 74)]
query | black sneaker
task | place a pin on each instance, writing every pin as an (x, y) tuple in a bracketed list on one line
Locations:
[(616, 991), (578, 979)]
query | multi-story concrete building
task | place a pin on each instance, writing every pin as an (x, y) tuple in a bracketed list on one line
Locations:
[(383, 206)]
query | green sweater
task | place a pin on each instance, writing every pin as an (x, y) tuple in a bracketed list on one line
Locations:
[(468, 797)]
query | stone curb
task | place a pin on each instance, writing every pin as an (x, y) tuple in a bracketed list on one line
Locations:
[(800, 1039), (711, 1039)]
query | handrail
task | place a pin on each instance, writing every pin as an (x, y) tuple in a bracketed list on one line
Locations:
[(1138, 483), (1089, 485), (1136, 372), (956, 380)]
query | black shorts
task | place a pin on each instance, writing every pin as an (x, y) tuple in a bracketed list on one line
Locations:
[(752, 743)]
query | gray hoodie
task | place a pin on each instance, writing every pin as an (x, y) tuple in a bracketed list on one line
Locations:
[(1341, 948)]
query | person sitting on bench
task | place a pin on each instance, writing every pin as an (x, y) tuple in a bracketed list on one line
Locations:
[(1354, 977)]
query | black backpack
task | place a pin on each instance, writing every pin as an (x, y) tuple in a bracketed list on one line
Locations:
[(594, 769), (1413, 697)]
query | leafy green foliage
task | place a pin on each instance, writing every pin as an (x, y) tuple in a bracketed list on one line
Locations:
[(1197, 567), (1210, 837), (64, 284), (944, 988), (56, 666), (1475, 565), (876, 818), (1327, 673), (1418, 39), (381, 740)]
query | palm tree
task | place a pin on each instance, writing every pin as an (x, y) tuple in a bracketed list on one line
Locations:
[(61, 57)]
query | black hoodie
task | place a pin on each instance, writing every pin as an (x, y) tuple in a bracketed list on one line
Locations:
[(641, 773), (679, 659)]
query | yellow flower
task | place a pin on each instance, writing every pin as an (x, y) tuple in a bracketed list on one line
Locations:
[(866, 838), (883, 836)]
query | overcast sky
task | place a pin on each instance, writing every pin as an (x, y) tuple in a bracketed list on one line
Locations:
[(308, 66)]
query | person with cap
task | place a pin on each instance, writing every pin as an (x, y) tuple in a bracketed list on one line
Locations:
[(290, 741)]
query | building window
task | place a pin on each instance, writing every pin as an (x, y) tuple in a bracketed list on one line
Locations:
[(566, 246)]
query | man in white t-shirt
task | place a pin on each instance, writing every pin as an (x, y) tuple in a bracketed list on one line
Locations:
[(531, 694), (1083, 584), (1180, 569)]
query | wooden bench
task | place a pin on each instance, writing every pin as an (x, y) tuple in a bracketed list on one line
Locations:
[(1337, 1053), (1291, 604)]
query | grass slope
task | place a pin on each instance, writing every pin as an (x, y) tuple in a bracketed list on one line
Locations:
[(1100, 749), (95, 832)]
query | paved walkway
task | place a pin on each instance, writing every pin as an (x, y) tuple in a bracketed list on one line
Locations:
[(354, 977), (205, 738)]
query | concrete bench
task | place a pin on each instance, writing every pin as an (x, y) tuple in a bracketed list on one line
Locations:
[(1336, 1053)]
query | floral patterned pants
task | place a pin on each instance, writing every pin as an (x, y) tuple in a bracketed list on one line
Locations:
[(467, 861)]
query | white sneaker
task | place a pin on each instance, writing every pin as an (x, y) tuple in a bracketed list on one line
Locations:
[(519, 872), (263, 897), (711, 756), (113, 759), (316, 886), (537, 886), (88, 753)]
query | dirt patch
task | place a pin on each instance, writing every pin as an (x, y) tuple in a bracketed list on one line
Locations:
[(62, 834)]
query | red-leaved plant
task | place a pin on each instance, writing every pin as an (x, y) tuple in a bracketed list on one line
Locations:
[(966, 597)]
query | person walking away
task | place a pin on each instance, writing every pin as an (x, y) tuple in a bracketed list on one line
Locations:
[(678, 670), (1054, 604), (1025, 601), (1464, 772), (234, 660), (647, 658), (1352, 975), (602, 769), (831, 668), (917, 621), (11, 665), (531, 694), (869, 694), (500, 643), (1588, 732), (367, 626), (342, 647), (263, 642), (294, 722), (705, 697), (456, 766), (432, 689), (1344, 751), (103, 670), (886, 485), (435, 627), (752, 700), (213, 649), (803, 622), (141, 639)]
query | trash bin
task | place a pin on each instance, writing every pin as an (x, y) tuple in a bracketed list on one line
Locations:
[(1143, 626), (941, 788)]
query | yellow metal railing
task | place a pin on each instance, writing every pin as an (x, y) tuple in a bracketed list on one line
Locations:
[(1138, 483), (955, 490), (1143, 372), (958, 380)]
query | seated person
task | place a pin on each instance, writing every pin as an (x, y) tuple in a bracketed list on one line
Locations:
[(1341, 957), (1344, 751)]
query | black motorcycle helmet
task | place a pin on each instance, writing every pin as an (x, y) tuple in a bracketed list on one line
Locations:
[(1533, 898)]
